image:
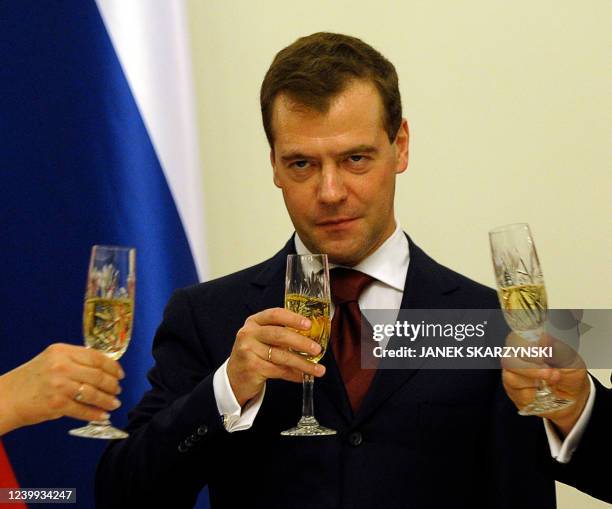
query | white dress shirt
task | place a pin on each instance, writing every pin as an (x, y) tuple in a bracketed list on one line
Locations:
[(388, 265)]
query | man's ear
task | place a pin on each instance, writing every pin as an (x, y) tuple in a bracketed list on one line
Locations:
[(274, 171), (401, 146)]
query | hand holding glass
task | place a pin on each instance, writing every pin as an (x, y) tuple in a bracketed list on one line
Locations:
[(522, 296)]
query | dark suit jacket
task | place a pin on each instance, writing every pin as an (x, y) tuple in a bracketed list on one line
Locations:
[(422, 438)]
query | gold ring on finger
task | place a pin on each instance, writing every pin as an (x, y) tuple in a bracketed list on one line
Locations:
[(78, 397), (270, 354)]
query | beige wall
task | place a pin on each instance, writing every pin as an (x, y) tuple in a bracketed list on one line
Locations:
[(509, 109)]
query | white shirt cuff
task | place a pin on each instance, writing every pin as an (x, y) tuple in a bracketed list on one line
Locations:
[(235, 418), (562, 451)]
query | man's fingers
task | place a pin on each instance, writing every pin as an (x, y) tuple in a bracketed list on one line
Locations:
[(262, 351), (293, 375), (551, 375), (282, 336), (268, 360), (560, 354), (564, 356), (516, 381), (273, 371), (281, 316), (282, 357), (526, 364)]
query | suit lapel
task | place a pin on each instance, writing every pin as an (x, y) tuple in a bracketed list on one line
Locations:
[(425, 287), (267, 289)]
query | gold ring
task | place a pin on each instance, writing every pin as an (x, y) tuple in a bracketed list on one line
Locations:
[(79, 395), (270, 354)]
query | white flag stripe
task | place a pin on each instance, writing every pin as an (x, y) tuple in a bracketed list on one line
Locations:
[(152, 43)]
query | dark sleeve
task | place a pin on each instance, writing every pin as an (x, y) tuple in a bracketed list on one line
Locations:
[(173, 427), (588, 470)]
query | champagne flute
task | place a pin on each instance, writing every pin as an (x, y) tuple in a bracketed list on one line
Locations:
[(307, 293), (522, 296), (108, 315)]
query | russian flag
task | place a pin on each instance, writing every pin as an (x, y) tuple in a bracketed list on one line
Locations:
[(99, 146)]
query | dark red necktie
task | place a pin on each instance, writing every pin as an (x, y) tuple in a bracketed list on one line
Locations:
[(346, 286)]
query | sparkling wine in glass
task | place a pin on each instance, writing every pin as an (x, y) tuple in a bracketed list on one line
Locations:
[(108, 315), (307, 293), (522, 296)]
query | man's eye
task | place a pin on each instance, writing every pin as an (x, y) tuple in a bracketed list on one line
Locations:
[(300, 165), (356, 159)]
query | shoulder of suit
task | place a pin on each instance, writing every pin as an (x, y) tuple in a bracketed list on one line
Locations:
[(237, 281), (452, 283), (475, 293), (233, 281)]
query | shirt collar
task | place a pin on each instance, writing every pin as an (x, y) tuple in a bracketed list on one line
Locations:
[(388, 264)]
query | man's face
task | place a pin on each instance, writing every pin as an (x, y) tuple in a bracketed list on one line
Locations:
[(337, 172)]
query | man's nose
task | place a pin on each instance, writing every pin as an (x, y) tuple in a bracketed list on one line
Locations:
[(332, 188)]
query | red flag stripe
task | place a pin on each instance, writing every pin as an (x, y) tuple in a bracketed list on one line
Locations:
[(7, 477)]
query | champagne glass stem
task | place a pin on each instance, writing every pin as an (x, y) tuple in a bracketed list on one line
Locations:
[(307, 397), (308, 425), (104, 423), (542, 389)]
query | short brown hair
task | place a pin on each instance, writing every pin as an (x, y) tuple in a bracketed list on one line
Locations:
[(318, 67)]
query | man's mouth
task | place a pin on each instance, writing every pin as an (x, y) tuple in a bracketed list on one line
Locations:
[(336, 222)]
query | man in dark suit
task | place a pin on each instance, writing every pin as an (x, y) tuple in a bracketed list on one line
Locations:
[(224, 382)]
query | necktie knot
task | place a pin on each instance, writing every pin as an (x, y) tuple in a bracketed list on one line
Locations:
[(347, 285)]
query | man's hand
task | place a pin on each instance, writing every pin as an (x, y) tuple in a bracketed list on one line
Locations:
[(261, 351), (565, 373), (45, 387)]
